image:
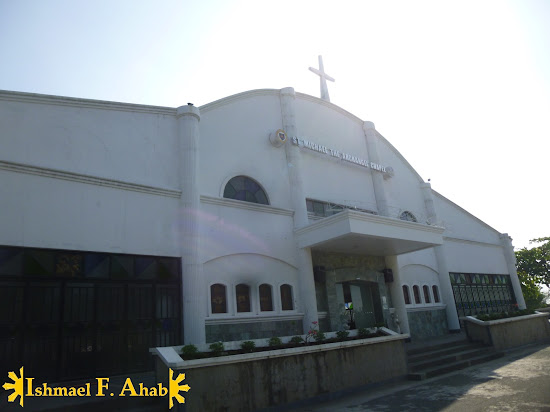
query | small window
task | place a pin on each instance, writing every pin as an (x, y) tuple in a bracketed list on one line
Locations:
[(406, 215), (245, 189), (266, 301), (243, 297), (406, 295), (218, 298), (416, 291), (426, 290), (286, 297), (435, 291)]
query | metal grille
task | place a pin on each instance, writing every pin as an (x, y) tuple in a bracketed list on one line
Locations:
[(87, 323), (482, 293)]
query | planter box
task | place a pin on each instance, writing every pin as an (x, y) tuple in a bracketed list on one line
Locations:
[(260, 380), (510, 332)]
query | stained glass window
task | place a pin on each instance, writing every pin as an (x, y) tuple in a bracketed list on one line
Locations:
[(218, 299), (243, 297), (406, 215), (416, 292), (426, 290), (406, 295), (436, 293), (245, 189), (266, 301), (286, 297)]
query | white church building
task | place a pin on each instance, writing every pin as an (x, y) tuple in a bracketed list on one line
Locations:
[(124, 227)]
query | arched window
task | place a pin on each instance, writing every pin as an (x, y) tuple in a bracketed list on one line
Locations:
[(416, 292), (245, 189), (435, 291), (406, 215), (266, 300), (426, 290), (406, 295), (286, 297), (218, 298), (242, 293)]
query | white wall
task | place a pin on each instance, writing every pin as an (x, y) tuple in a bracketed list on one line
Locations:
[(234, 140), (53, 213), (115, 142)]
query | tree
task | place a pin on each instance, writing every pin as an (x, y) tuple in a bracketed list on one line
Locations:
[(533, 267)]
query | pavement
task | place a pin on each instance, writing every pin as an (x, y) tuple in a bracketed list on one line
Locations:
[(519, 381)]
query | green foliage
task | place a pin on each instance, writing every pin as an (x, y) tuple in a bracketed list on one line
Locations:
[(296, 339), (275, 341), (503, 315), (362, 332), (535, 262), (248, 345), (319, 336), (342, 334), (189, 350), (217, 348)]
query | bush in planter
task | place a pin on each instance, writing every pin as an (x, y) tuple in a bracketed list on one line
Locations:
[(342, 334), (275, 341), (248, 346), (362, 332), (504, 315), (217, 348), (189, 352), (319, 336), (297, 340)]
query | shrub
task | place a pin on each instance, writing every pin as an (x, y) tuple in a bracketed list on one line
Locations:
[(248, 345), (362, 332), (189, 350), (342, 334), (319, 336), (275, 341), (296, 339), (495, 316), (217, 348)]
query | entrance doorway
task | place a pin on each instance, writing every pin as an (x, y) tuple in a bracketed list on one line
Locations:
[(362, 303)]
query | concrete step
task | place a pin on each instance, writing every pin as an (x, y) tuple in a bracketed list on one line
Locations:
[(454, 366), (430, 353), (443, 359)]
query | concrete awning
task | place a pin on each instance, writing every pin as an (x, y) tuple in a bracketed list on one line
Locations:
[(362, 233)]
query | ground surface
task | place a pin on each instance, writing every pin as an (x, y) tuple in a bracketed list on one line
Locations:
[(520, 381)]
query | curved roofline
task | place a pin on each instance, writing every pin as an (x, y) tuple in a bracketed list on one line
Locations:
[(276, 92)]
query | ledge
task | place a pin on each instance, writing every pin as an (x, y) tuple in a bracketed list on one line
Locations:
[(239, 204), (252, 319), (505, 320), (169, 355)]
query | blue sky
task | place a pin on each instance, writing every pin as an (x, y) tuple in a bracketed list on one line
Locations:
[(461, 89)]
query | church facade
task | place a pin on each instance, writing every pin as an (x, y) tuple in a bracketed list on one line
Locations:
[(125, 227)]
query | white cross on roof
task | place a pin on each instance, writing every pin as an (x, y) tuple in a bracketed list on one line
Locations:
[(323, 77)]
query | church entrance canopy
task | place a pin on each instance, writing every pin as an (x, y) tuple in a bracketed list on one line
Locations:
[(364, 233)]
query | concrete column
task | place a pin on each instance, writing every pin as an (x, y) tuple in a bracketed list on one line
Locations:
[(396, 290), (193, 292), (308, 300), (377, 178), (510, 257), (446, 288)]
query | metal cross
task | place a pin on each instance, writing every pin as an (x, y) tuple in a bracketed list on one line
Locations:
[(323, 77)]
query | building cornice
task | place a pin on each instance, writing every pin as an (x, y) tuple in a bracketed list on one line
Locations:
[(368, 217), (83, 103), (239, 204), (87, 179), (470, 241)]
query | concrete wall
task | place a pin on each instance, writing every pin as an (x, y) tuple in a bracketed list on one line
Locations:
[(426, 324), (227, 332), (511, 332), (265, 379)]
